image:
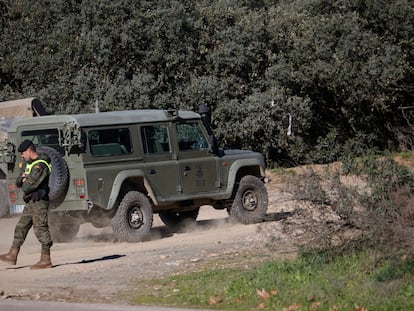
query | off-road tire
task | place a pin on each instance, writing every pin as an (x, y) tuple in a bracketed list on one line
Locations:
[(59, 176), (250, 203), (133, 219), (175, 220)]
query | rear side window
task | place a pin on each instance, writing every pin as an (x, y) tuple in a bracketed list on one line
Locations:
[(109, 142), (47, 137), (155, 139)]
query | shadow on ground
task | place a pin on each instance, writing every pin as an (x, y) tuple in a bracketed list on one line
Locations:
[(84, 261)]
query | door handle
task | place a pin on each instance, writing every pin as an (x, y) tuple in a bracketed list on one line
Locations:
[(187, 168), (152, 171)]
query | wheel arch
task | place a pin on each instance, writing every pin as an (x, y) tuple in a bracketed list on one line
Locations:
[(127, 181), (241, 168)]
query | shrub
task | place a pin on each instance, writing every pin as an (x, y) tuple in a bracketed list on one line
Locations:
[(372, 207)]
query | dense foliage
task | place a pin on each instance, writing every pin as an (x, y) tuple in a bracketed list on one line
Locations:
[(340, 69)]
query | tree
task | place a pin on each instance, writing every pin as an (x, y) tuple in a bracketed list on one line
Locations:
[(340, 69)]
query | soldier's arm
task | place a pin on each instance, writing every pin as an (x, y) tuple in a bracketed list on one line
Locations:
[(19, 181), (32, 181)]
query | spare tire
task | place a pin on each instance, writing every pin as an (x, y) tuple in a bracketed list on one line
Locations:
[(59, 176)]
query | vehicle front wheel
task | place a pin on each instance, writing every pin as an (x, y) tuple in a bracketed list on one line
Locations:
[(133, 219), (250, 203)]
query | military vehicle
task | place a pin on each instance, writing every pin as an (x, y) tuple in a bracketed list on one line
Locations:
[(119, 168), (10, 111)]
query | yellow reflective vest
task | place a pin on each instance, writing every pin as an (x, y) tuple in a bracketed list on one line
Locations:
[(30, 165)]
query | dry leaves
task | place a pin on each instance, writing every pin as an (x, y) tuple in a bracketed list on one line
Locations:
[(262, 293), (215, 300), (293, 307)]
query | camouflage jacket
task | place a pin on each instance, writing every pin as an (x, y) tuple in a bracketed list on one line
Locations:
[(37, 180)]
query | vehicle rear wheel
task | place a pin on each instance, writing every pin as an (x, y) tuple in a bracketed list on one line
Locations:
[(59, 176), (250, 204), (177, 219), (133, 219)]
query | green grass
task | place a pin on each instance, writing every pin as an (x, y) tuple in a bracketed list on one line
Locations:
[(311, 282)]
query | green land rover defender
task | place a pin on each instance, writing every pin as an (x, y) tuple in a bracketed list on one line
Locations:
[(119, 168)]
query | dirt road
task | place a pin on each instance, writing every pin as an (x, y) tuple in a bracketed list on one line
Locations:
[(94, 268)]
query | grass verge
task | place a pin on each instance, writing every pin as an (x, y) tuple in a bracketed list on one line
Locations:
[(312, 282)]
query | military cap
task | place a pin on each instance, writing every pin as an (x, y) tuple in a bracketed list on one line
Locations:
[(24, 145)]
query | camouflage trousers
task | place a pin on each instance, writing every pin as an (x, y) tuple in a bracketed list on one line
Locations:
[(34, 214)]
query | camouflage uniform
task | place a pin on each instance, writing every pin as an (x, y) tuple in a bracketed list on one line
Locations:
[(36, 191)]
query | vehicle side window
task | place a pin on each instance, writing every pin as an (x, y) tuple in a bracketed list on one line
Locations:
[(109, 142), (155, 139), (48, 137), (190, 136)]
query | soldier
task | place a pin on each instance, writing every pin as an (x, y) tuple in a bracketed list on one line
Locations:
[(35, 185)]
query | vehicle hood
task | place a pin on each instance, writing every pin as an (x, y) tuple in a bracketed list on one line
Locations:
[(236, 151)]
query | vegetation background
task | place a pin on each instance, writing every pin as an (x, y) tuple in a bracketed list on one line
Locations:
[(342, 70)]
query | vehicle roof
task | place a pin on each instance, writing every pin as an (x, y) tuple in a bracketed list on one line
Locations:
[(107, 118)]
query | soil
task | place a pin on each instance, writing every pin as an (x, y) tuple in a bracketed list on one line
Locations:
[(95, 268)]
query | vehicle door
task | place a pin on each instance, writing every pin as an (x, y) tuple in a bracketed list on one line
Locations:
[(109, 151), (197, 166), (160, 163)]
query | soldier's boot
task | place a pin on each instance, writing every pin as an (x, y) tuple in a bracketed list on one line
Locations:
[(44, 261), (11, 256)]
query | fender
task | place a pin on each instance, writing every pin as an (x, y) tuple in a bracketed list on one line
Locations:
[(119, 179), (236, 166)]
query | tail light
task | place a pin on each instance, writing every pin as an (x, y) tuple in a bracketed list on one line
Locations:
[(79, 185), (13, 197), (12, 193)]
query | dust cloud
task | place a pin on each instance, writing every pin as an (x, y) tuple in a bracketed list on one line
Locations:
[(208, 219)]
